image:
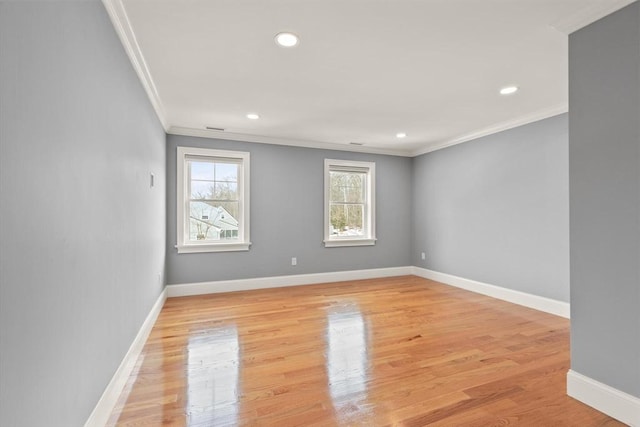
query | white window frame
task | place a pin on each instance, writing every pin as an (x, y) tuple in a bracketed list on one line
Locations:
[(370, 206), (184, 245)]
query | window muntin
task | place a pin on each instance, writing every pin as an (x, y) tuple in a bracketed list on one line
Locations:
[(349, 203), (213, 199)]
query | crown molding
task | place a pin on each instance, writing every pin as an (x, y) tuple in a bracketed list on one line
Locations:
[(588, 15), (122, 25), (499, 127), (242, 137)]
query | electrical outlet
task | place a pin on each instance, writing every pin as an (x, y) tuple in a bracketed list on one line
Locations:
[(423, 256), (294, 261)]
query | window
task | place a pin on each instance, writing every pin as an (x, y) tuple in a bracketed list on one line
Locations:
[(349, 208), (213, 200)]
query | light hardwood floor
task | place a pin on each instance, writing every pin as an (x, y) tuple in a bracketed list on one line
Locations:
[(402, 351)]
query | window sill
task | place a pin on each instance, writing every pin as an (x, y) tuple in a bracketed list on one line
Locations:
[(348, 242), (217, 247)]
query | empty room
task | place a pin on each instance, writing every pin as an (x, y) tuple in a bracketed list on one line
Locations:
[(319, 213)]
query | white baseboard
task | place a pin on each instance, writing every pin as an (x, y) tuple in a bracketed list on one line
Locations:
[(282, 281), (613, 402), (548, 305), (107, 402)]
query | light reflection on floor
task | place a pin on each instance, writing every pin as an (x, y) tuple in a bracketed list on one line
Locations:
[(212, 375), (348, 361)]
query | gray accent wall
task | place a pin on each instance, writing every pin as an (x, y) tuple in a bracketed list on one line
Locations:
[(82, 234), (604, 153), (287, 199), (496, 209)]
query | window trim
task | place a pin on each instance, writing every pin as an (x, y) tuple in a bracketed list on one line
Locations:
[(370, 206), (243, 242)]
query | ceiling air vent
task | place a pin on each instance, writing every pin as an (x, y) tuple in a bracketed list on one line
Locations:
[(212, 128)]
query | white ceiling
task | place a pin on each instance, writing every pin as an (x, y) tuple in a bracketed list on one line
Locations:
[(363, 70)]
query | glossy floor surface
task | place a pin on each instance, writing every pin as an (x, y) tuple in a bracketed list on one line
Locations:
[(401, 351)]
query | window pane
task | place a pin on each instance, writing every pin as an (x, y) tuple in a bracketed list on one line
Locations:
[(202, 170), (346, 220), (347, 186), (226, 172)]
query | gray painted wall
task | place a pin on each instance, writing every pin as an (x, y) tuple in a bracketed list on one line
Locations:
[(287, 216), (495, 209), (604, 153), (82, 234)]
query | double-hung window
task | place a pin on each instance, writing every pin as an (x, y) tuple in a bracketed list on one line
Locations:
[(212, 200), (349, 203)]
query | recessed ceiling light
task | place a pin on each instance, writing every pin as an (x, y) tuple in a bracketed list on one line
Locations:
[(253, 116), (286, 39), (508, 90), (401, 135)]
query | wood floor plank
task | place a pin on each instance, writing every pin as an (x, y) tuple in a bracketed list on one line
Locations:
[(401, 351)]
